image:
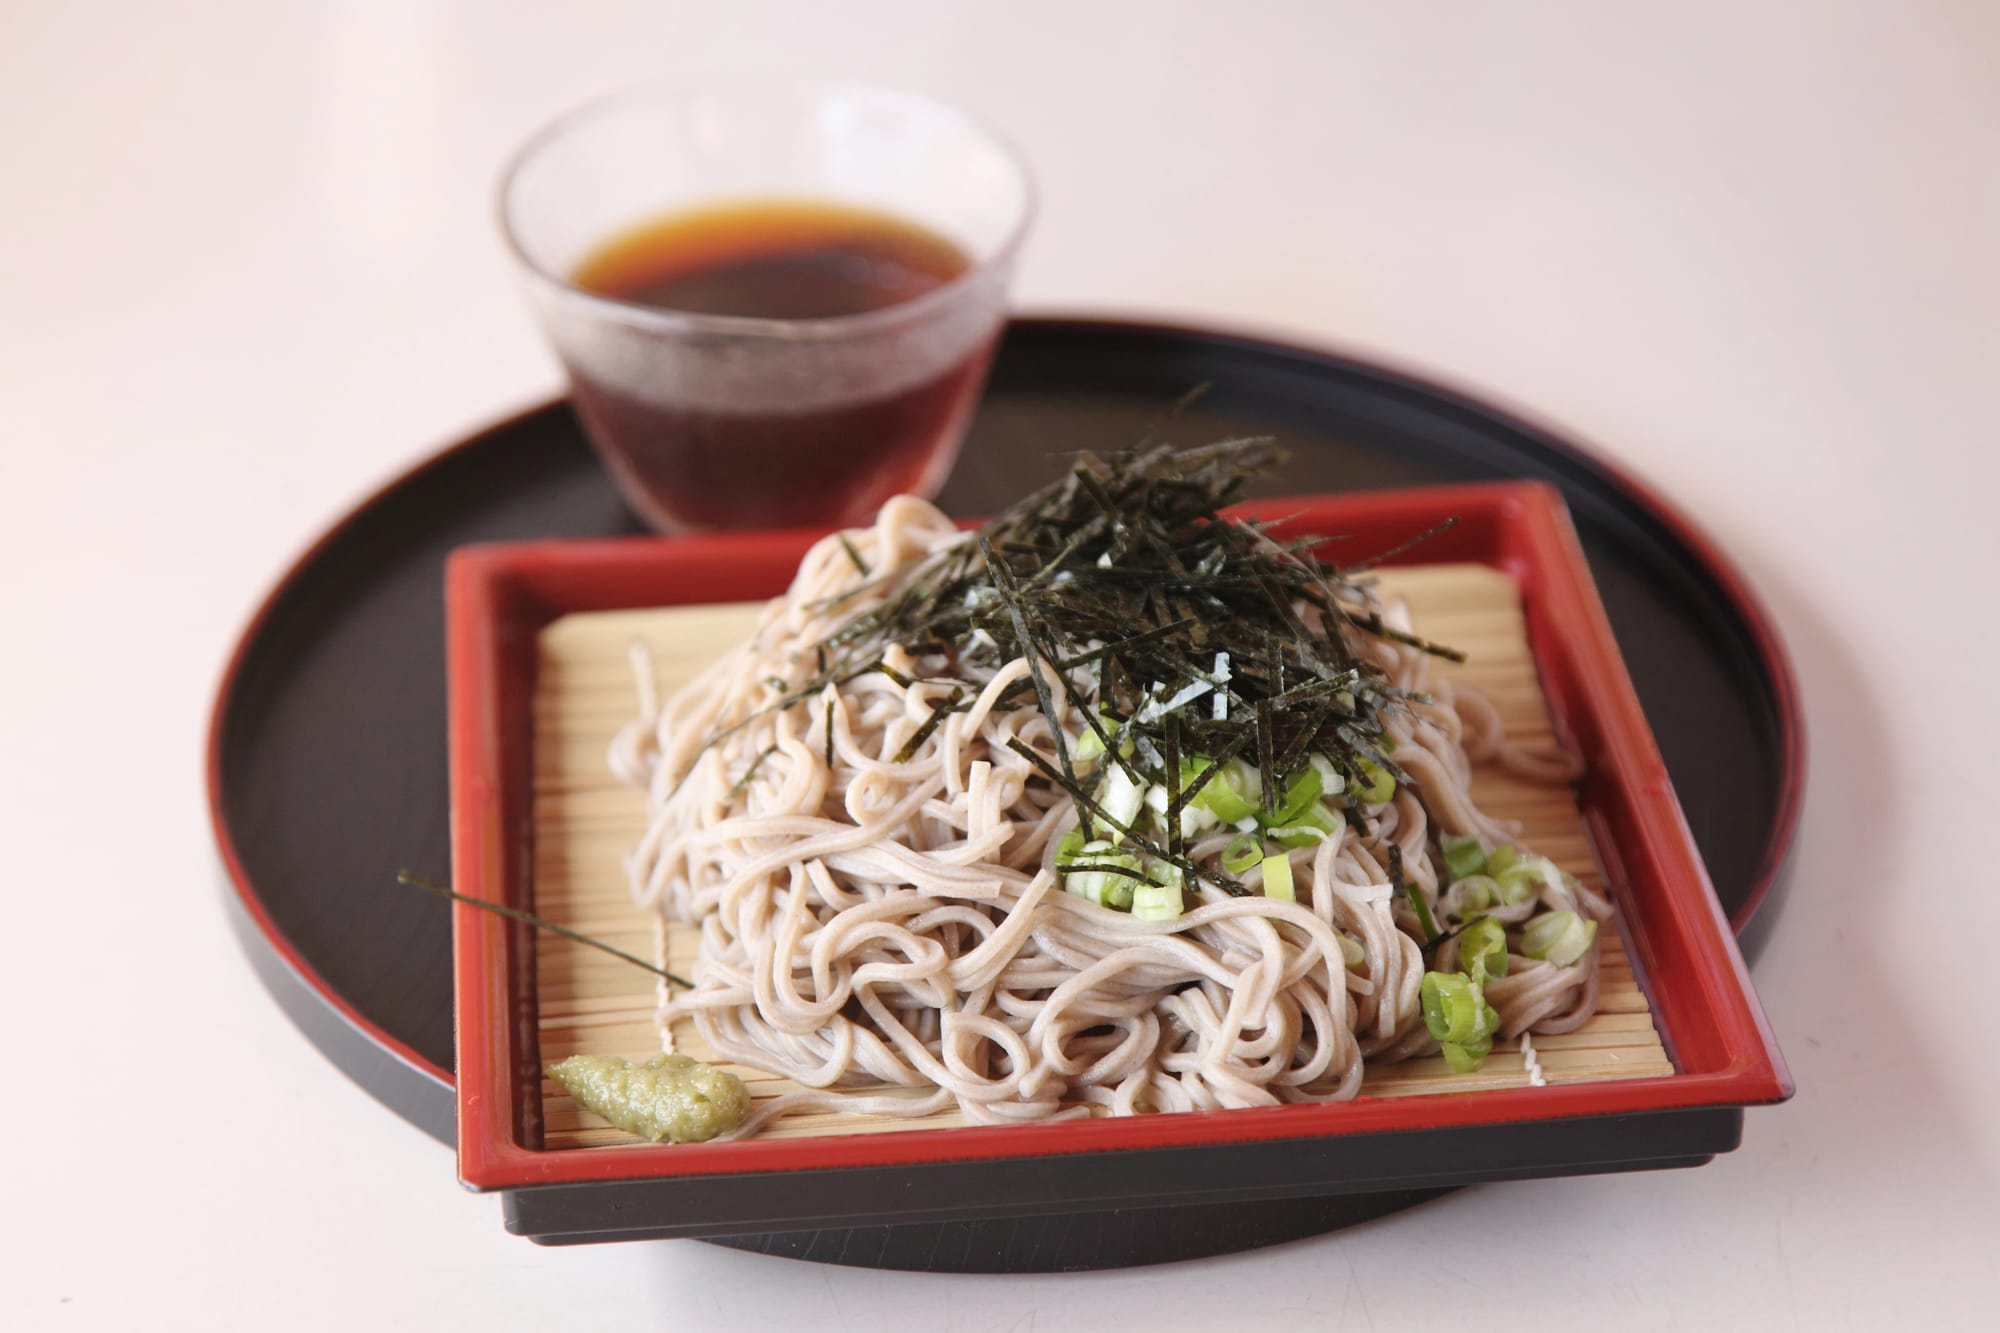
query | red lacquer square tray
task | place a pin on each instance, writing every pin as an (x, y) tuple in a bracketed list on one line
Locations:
[(499, 597)]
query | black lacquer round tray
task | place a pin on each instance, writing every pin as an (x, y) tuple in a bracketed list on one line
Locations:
[(327, 768)]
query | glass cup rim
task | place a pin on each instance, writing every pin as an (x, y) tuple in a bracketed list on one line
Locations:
[(689, 322)]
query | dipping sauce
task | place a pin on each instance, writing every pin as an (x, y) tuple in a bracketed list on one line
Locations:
[(827, 440), (773, 259)]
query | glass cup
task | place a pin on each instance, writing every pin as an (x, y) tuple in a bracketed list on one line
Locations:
[(711, 421)]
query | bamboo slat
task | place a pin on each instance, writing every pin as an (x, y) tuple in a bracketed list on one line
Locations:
[(585, 820)]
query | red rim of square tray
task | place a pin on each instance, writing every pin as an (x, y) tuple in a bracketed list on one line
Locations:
[(499, 597)]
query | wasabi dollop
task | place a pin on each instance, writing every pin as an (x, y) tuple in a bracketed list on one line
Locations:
[(667, 1099)]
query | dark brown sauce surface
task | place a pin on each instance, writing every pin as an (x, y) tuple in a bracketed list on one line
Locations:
[(691, 468), (773, 259)]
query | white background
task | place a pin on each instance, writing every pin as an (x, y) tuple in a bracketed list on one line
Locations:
[(248, 269)]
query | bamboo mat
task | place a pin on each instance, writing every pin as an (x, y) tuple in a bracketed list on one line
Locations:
[(585, 820)]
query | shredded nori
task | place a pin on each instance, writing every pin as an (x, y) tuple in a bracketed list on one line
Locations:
[(847, 545), (1120, 583), (743, 782), (416, 881)]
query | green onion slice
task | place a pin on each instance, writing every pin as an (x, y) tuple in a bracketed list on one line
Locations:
[(1242, 852), (1314, 824), (1231, 794), (1158, 902), (1521, 881), (1302, 789), (1468, 897), (1111, 886), (1465, 1057), (1374, 785), (1482, 950), (1452, 1005), (1559, 937), (1463, 857)]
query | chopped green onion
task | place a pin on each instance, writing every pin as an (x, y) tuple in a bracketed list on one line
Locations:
[(1468, 897), (1451, 1006), (1070, 845), (1314, 824), (1463, 857), (1497, 860), (1482, 950), (1379, 787), (1302, 789), (1110, 887), (1195, 817), (1159, 902), (1278, 878), (1090, 746), (1522, 881), (1120, 798), (1242, 852), (1231, 794), (1465, 1057), (1351, 952), (1560, 937), (1456, 1013)]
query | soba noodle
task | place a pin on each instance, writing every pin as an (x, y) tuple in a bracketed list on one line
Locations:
[(894, 938)]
